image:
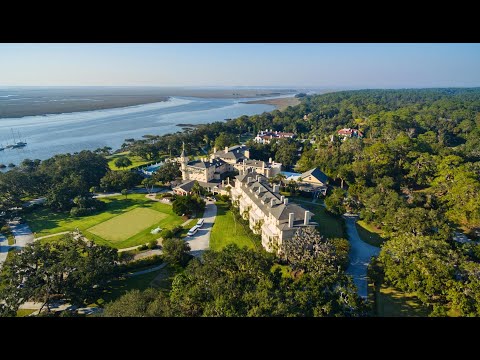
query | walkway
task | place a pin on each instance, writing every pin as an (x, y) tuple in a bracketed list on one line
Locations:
[(201, 240), (47, 236), (131, 191), (360, 254), (156, 268)]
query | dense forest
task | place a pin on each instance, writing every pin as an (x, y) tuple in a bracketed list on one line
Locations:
[(415, 176)]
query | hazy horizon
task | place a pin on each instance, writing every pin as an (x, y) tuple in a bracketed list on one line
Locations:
[(271, 65)]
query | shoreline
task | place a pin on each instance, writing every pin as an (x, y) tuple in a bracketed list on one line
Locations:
[(85, 107), (279, 103), (53, 102)]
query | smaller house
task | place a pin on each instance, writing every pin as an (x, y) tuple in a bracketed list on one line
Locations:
[(349, 133), (184, 188), (314, 176), (265, 137)]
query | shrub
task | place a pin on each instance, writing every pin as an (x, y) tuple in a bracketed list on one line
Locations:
[(141, 263), (177, 230), (76, 211), (175, 251), (152, 244), (125, 256), (167, 234), (143, 247)]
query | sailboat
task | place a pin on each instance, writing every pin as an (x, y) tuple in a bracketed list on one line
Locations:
[(18, 144)]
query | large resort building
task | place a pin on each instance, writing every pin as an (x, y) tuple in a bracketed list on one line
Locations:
[(211, 172), (269, 213)]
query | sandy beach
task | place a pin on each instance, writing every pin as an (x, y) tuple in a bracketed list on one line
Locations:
[(280, 103)]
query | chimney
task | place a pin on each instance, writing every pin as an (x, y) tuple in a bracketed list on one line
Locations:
[(226, 149), (272, 202), (282, 198), (247, 154), (223, 183), (276, 188), (285, 201), (306, 219), (214, 149), (291, 217), (249, 180), (270, 160)]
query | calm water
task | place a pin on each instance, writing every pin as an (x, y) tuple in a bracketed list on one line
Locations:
[(61, 133)]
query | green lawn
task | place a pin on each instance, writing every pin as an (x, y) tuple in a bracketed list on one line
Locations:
[(24, 312), (8, 234), (160, 279), (44, 222), (124, 226), (328, 225), (136, 161), (225, 231), (119, 287), (369, 233), (285, 269), (395, 303)]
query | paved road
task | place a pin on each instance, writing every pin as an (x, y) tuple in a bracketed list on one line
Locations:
[(360, 254), (22, 233), (3, 249), (134, 191), (201, 240)]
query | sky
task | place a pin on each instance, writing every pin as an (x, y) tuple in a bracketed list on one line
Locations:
[(240, 64)]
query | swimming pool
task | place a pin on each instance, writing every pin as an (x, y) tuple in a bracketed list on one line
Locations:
[(152, 168), (290, 175)]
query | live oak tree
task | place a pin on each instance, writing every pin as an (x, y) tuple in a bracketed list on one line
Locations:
[(335, 202), (240, 282), (188, 204), (175, 251), (122, 162), (169, 171), (71, 269)]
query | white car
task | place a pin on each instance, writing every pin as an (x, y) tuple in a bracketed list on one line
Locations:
[(200, 222), (193, 231)]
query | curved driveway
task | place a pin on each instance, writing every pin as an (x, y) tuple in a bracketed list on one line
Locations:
[(360, 254), (201, 240)]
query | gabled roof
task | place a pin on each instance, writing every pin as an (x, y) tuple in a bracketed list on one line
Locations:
[(203, 165), (281, 212), (235, 152), (186, 186), (316, 173)]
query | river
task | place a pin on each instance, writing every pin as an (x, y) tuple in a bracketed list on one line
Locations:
[(48, 135)]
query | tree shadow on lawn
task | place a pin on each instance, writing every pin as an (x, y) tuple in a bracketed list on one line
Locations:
[(395, 303)]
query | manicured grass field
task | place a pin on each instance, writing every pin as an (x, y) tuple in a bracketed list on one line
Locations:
[(225, 232), (45, 222), (24, 312), (124, 226), (395, 303), (136, 161), (369, 234), (328, 225)]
